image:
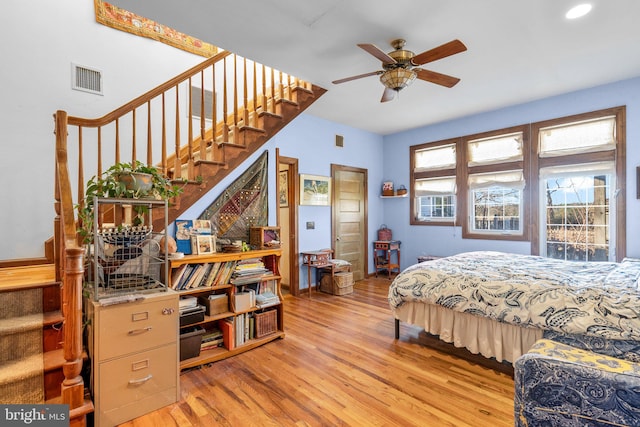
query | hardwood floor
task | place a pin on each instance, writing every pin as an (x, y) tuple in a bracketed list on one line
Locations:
[(339, 364)]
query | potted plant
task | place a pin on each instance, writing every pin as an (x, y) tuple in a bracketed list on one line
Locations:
[(133, 180)]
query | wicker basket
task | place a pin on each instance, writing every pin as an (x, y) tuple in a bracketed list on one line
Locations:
[(266, 323), (384, 233), (343, 283)]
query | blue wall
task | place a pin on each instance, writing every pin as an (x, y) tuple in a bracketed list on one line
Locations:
[(434, 240), (312, 141)]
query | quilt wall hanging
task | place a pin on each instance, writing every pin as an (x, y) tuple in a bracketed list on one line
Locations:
[(243, 204), (123, 20)]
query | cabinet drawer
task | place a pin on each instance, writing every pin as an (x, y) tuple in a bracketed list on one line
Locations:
[(130, 379), (128, 328)]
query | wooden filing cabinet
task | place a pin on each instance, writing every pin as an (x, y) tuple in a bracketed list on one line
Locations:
[(134, 356)]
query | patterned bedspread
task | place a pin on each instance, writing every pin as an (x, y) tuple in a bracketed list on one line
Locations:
[(597, 298)]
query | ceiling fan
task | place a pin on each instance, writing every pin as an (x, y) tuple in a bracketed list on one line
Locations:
[(399, 67)]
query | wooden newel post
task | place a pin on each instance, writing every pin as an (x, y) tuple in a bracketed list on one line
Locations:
[(73, 385)]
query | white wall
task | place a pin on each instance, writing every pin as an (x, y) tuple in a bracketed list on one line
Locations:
[(40, 40), (432, 240)]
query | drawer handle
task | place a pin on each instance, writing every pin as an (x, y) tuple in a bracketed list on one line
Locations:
[(168, 310), (140, 331), (141, 380)]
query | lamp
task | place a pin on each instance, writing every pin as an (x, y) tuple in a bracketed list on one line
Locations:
[(398, 78)]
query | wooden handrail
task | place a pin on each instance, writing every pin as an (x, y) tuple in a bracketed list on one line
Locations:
[(142, 99)]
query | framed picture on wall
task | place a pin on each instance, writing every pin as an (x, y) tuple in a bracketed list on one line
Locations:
[(315, 190), (283, 189)]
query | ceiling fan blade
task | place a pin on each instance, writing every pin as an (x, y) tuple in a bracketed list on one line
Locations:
[(437, 78), (387, 95), (359, 76), (375, 51), (442, 51)]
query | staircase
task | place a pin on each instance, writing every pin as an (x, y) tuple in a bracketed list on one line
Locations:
[(31, 329), (243, 105)]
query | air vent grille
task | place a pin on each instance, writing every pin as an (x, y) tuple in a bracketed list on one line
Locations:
[(86, 79), (196, 102)]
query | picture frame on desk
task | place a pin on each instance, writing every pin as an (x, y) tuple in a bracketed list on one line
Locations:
[(315, 190), (201, 226), (205, 244)]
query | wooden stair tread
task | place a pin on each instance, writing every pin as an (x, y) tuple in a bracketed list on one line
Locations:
[(52, 317), (54, 359), (210, 162), (232, 144), (75, 413), (16, 278)]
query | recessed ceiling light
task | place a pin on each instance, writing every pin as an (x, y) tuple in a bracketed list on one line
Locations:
[(578, 11)]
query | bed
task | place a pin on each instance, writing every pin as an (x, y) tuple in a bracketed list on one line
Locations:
[(498, 304)]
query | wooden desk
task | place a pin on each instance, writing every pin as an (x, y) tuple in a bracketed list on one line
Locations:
[(382, 251), (315, 259)]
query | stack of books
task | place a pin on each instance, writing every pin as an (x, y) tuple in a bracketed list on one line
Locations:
[(249, 271), (266, 299), (211, 339)]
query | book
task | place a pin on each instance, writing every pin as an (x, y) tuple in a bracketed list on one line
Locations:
[(266, 299), (183, 235), (197, 272), (176, 275), (215, 267), (201, 226), (199, 276), (211, 335), (185, 277), (205, 275), (212, 344), (228, 334)]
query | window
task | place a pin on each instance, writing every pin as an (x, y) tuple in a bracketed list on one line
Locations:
[(554, 183), (577, 215), (436, 198), (496, 202), (433, 183), (580, 137), (495, 185), (577, 179)]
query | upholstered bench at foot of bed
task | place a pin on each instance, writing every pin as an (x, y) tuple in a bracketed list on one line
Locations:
[(560, 385)]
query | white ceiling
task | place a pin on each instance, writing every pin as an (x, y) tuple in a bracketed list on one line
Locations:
[(518, 50)]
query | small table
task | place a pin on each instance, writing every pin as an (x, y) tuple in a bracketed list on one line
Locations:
[(382, 251), (315, 259)]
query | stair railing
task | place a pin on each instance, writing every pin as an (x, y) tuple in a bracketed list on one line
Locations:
[(200, 97)]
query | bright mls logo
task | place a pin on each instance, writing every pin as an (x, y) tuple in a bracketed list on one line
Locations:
[(34, 415)]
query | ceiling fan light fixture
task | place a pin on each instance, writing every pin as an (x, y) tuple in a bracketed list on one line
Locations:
[(398, 78)]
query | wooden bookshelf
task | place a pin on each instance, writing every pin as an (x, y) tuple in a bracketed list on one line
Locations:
[(270, 258)]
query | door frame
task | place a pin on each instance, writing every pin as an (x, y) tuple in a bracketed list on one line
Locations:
[(294, 258), (335, 168)]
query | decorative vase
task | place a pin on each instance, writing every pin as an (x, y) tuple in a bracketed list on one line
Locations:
[(137, 181)]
